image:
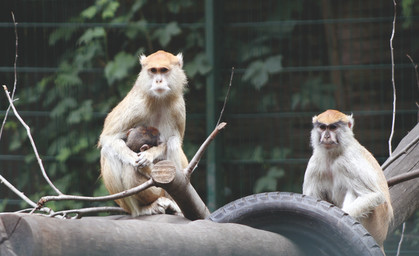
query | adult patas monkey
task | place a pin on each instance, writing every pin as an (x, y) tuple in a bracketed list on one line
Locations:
[(156, 99), (342, 172)]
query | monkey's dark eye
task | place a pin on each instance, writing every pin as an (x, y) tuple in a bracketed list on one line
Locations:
[(164, 70), (323, 127), (333, 127), (153, 70)]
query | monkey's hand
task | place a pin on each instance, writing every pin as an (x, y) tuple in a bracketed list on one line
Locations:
[(144, 159)]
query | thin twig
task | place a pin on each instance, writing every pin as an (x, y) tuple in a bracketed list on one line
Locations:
[(394, 103), (122, 194), (401, 239), (226, 97), (83, 211), (28, 131), (20, 194), (43, 209), (15, 80), (415, 66), (392, 80), (195, 160)]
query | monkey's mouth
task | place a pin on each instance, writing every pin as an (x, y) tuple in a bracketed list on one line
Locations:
[(161, 90), (329, 144)]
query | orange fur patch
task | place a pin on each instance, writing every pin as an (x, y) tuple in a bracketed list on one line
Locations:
[(331, 116), (160, 59)]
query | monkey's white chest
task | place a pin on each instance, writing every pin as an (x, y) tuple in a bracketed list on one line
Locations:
[(325, 179)]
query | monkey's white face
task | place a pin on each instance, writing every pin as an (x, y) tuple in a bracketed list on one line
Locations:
[(327, 135), (159, 81)]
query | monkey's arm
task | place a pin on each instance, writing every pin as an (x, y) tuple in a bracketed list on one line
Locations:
[(360, 206), (175, 152), (364, 194), (312, 180), (115, 146)]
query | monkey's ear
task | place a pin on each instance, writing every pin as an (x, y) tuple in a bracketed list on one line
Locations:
[(351, 121), (179, 57), (129, 131), (142, 59), (314, 119), (144, 147)]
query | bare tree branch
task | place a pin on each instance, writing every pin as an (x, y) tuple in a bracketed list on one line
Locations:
[(21, 195), (415, 66), (79, 213), (28, 131), (403, 177), (392, 80), (15, 82), (122, 194), (195, 160), (226, 97)]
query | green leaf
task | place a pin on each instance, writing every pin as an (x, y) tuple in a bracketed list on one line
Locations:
[(63, 154), (175, 6), (274, 64), (280, 153), (110, 9), (63, 106), (91, 34), (258, 154), (164, 35), (65, 34), (89, 13), (199, 65), (64, 79), (82, 143), (257, 74), (269, 182), (135, 28), (120, 67), (83, 113)]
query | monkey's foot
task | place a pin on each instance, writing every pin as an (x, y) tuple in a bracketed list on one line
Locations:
[(165, 205)]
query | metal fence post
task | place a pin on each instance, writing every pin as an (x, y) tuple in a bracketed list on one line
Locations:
[(213, 177)]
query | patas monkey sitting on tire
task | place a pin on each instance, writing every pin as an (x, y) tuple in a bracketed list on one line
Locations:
[(342, 172)]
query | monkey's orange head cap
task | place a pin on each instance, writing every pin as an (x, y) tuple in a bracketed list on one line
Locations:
[(161, 59), (331, 116)]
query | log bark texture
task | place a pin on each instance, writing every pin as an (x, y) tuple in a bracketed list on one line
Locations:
[(404, 196), (24, 234)]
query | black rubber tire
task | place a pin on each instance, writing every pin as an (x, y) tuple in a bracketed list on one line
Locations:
[(318, 227)]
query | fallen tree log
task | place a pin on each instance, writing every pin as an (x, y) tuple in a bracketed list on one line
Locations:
[(24, 234), (404, 196)]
